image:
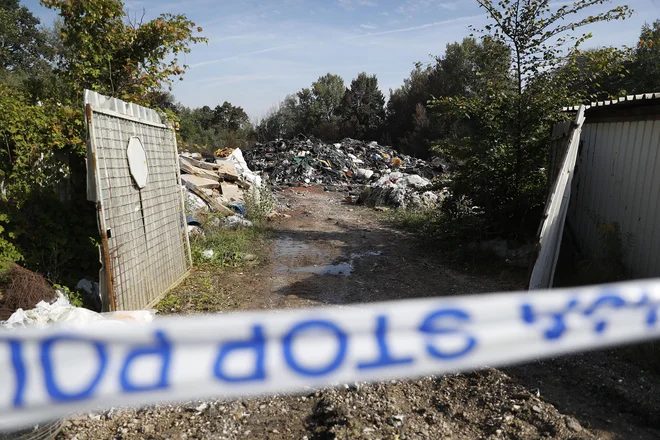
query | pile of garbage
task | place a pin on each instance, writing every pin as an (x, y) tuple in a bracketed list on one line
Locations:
[(391, 178), (401, 190), (218, 184)]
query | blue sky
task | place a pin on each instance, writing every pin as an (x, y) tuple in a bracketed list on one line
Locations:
[(260, 51)]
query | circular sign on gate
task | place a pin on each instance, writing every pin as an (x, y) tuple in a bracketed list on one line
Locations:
[(137, 162)]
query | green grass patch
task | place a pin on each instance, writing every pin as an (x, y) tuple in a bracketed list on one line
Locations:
[(197, 294), (229, 248), (455, 238)]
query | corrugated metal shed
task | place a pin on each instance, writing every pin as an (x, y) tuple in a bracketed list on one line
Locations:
[(630, 99), (617, 180)]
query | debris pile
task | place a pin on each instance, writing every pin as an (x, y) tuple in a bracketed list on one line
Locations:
[(217, 185), (391, 178), (401, 190)]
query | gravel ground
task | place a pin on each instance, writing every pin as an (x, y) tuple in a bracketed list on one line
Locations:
[(485, 405), (588, 396)]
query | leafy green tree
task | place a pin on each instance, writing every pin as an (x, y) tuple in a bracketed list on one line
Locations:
[(645, 73), (464, 70), (41, 126), (207, 130), (315, 110), (228, 117), (108, 54), (27, 51), (270, 126), (597, 74), (33, 139), (402, 107), (327, 92), (294, 115), (363, 108), (23, 45), (501, 162)]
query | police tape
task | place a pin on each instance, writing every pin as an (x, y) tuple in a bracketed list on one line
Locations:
[(50, 373)]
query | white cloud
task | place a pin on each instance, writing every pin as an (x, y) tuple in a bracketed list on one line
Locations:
[(230, 79), (367, 26), (242, 37), (241, 55), (415, 28)]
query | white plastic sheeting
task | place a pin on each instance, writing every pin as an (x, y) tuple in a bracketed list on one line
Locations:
[(62, 312), (242, 168)]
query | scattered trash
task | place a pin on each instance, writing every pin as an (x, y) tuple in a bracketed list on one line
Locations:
[(193, 222), (301, 161), (199, 182), (364, 174), (515, 254), (236, 222), (351, 164), (223, 152), (213, 185), (91, 294), (239, 210), (242, 168), (276, 215), (231, 193), (286, 249), (401, 190), (195, 231), (208, 254), (61, 310)]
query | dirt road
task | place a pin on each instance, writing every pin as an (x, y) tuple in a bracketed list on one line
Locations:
[(332, 253)]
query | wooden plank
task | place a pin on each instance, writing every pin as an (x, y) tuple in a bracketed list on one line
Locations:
[(196, 171), (200, 182), (199, 163), (215, 206)]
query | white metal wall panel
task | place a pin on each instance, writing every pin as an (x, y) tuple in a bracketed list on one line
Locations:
[(617, 180), (552, 227), (146, 250)]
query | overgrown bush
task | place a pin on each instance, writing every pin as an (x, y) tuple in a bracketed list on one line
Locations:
[(22, 288), (502, 132), (259, 203), (42, 124)]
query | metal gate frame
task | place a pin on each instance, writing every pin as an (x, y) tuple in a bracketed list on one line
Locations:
[(99, 104)]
